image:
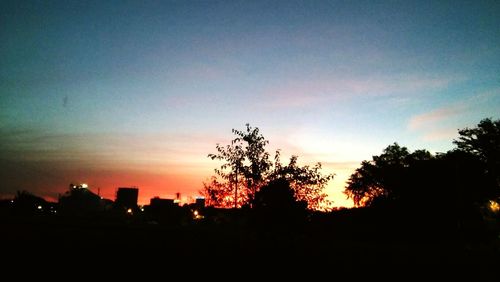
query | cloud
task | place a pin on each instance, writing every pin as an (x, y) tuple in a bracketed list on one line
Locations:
[(314, 91), (158, 153), (435, 116), (443, 123), (440, 134)]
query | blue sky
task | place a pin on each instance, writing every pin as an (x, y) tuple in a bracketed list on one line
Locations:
[(120, 93)]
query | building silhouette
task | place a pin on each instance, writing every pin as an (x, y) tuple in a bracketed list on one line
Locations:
[(79, 200), (166, 211), (200, 203), (126, 198)]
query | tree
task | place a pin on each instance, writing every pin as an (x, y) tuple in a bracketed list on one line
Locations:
[(483, 142), (257, 164), (466, 178), (246, 163), (276, 196), (481, 146), (27, 203), (221, 194), (386, 177), (308, 183), (458, 179), (247, 167), (276, 203)]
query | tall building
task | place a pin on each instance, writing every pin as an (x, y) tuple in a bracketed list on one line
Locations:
[(200, 203), (127, 197)]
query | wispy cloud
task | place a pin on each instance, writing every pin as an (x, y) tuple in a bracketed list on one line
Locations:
[(440, 134), (336, 88), (442, 123), (148, 151), (436, 116)]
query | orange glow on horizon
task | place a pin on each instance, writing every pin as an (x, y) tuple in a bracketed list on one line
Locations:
[(166, 186), (162, 182), (150, 186)]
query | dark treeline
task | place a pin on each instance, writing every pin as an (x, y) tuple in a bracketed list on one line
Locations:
[(458, 189)]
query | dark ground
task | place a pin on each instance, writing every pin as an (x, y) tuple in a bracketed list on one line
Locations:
[(328, 244)]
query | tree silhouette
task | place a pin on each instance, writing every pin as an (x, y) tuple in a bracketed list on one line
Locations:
[(467, 179), (459, 180), (277, 203), (384, 177), (308, 183), (483, 142), (247, 167), (220, 193), (276, 196), (28, 203), (246, 163), (480, 146)]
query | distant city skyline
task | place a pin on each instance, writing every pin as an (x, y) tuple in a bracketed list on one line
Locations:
[(126, 93)]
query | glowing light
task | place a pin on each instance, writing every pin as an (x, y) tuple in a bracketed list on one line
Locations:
[(84, 185), (197, 215), (142, 209), (39, 207), (494, 206), (129, 211), (176, 201)]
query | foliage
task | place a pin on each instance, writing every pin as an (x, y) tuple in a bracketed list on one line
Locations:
[(247, 167), (383, 177), (458, 179), (308, 183), (277, 195), (27, 203), (483, 142), (276, 205), (221, 193)]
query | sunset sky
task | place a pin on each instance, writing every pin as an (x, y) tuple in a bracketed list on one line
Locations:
[(137, 93)]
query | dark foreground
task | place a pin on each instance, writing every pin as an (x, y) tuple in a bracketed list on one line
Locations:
[(337, 245)]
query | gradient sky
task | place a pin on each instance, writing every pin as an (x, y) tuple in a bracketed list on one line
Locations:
[(137, 93)]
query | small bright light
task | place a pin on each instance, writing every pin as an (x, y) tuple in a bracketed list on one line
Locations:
[(494, 206), (197, 215), (12, 201), (84, 185), (176, 201), (129, 211), (39, 207), (142, 209)]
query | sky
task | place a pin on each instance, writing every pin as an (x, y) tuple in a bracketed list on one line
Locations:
[(137, 93)]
